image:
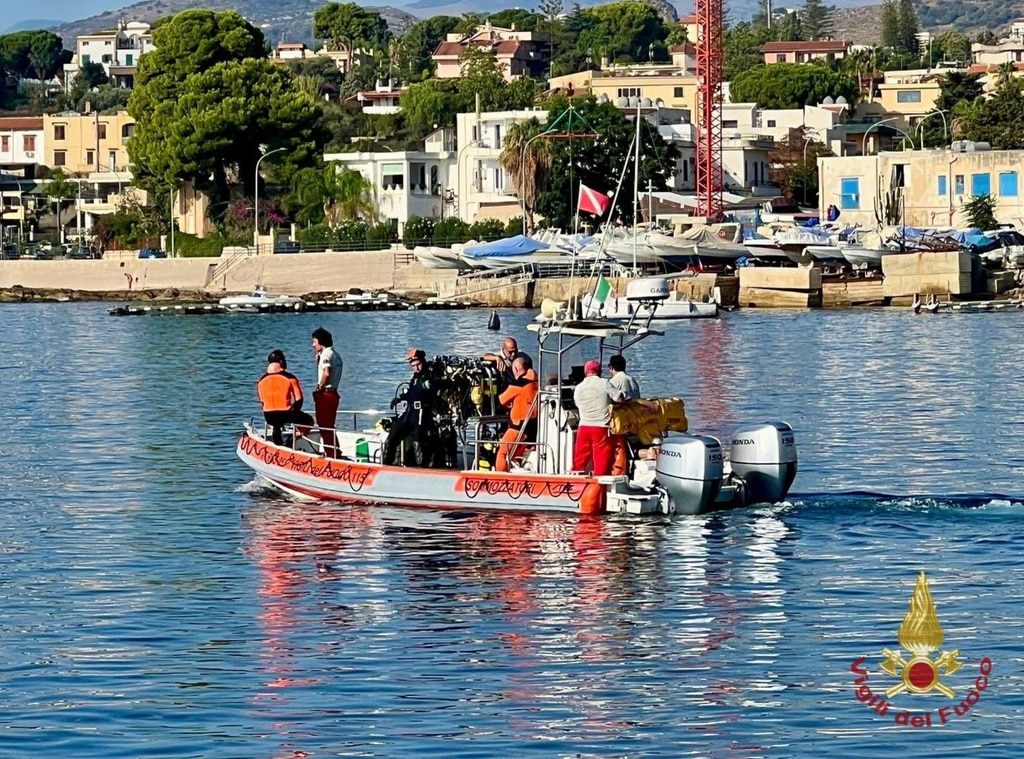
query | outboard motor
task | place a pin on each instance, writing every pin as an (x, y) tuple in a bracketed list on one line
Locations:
[(764, 457), (690, 470)]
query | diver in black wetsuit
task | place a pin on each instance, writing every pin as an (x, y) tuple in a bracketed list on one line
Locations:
[(414, 431)]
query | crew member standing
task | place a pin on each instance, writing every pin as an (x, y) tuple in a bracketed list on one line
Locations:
[(622, 388), (593, 451), (520, 397), (326, 395)]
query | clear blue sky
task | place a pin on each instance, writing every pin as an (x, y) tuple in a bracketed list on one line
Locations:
[(15, 11)]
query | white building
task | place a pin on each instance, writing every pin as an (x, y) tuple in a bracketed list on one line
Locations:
[(483, 188), (116, 50), (21, 144), (823, 123), (382, 100), (410, 182)]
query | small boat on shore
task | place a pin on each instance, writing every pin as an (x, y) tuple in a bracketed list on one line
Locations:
[(261, 299), (664, 473)]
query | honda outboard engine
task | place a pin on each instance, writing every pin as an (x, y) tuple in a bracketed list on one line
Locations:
[(764, 457), (690, 470)]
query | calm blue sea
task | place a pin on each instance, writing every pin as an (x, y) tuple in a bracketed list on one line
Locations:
[(156, 602)]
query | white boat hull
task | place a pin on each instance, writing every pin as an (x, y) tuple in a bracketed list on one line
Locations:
[(621, 310), (254, 301), (438, 258), (347, 480)]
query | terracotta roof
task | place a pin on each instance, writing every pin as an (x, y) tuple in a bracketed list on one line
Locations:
[(685, 47), (818, 46), (692, 19), (26, 123), (504, 47), (291, 45), (374, 95)]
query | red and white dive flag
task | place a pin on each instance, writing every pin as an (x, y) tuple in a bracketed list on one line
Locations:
[(593, 201)]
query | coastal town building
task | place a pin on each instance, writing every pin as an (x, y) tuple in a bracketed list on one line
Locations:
[(934, 184), (518, 53), (666, 85), (409, 183), (116, 50), (804, 52), (291, 51), (910, 94), (344, 58), (484, 189), (382, 100), (83, 142), (22, 140)]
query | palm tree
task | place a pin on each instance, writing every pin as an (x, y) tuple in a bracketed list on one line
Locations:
[(333, 194), (1004, 73), (527, 161), (59, 189)]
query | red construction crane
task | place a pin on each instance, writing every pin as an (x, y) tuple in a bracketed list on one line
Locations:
[(709, 107)]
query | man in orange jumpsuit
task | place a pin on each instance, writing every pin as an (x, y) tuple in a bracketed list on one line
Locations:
[(519, 396), (281, 395)]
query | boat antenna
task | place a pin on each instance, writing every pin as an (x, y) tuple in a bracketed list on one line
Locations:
[(636, 181)]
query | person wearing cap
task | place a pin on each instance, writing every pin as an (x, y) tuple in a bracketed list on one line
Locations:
[(281, 396), (326, 395), (522, 428), (594, 451), (416, 422)]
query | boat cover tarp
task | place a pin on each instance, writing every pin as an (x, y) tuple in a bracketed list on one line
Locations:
[(520, 245)]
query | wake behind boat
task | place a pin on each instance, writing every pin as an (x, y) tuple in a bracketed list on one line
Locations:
[(684, 473)]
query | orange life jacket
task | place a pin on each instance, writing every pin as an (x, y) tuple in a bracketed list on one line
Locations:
[(520, 398), (279, 391)]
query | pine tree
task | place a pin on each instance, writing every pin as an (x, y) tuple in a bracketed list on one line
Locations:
[(909, 27), (816, 20), (890, 25)]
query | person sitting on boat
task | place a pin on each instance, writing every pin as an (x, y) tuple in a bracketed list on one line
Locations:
[(593, 451), (414, 431), (326, 398), (622, 388), (519, 397), (281, 395), (503, 359)]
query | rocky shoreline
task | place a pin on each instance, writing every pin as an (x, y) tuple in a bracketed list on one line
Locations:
[(19, 294)]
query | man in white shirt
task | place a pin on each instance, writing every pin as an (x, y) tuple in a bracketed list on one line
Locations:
[(593, 451), (326, 395), (621, 386)]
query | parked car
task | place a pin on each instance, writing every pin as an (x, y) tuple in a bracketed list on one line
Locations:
[(152, 253)]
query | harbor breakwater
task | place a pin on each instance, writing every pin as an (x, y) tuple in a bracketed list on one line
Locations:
[(211, 278)]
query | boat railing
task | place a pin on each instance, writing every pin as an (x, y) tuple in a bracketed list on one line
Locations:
[(476, 443)]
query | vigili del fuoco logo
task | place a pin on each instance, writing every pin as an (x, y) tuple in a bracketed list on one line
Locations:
[(918, 673)]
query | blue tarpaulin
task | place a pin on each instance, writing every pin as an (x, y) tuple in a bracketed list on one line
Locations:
[(520, 245)]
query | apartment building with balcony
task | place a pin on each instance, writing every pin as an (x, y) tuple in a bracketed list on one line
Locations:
[(484, 189), (21, 144), (804, 52), (519, 53), (410, 182), (116, 50), (80, 143)]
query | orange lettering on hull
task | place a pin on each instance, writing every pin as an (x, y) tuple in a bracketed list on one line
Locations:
[(355, 475)]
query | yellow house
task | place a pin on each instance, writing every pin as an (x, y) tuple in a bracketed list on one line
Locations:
[(691, 27), (909, 95), (81, 143), (665, 85)]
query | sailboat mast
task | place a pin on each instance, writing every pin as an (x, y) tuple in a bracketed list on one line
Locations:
[(636, 180)]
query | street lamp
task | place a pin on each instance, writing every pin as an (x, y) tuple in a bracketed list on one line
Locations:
[(458, 172), (864, 142), (807, 141), (920, 127), (256, 197)]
